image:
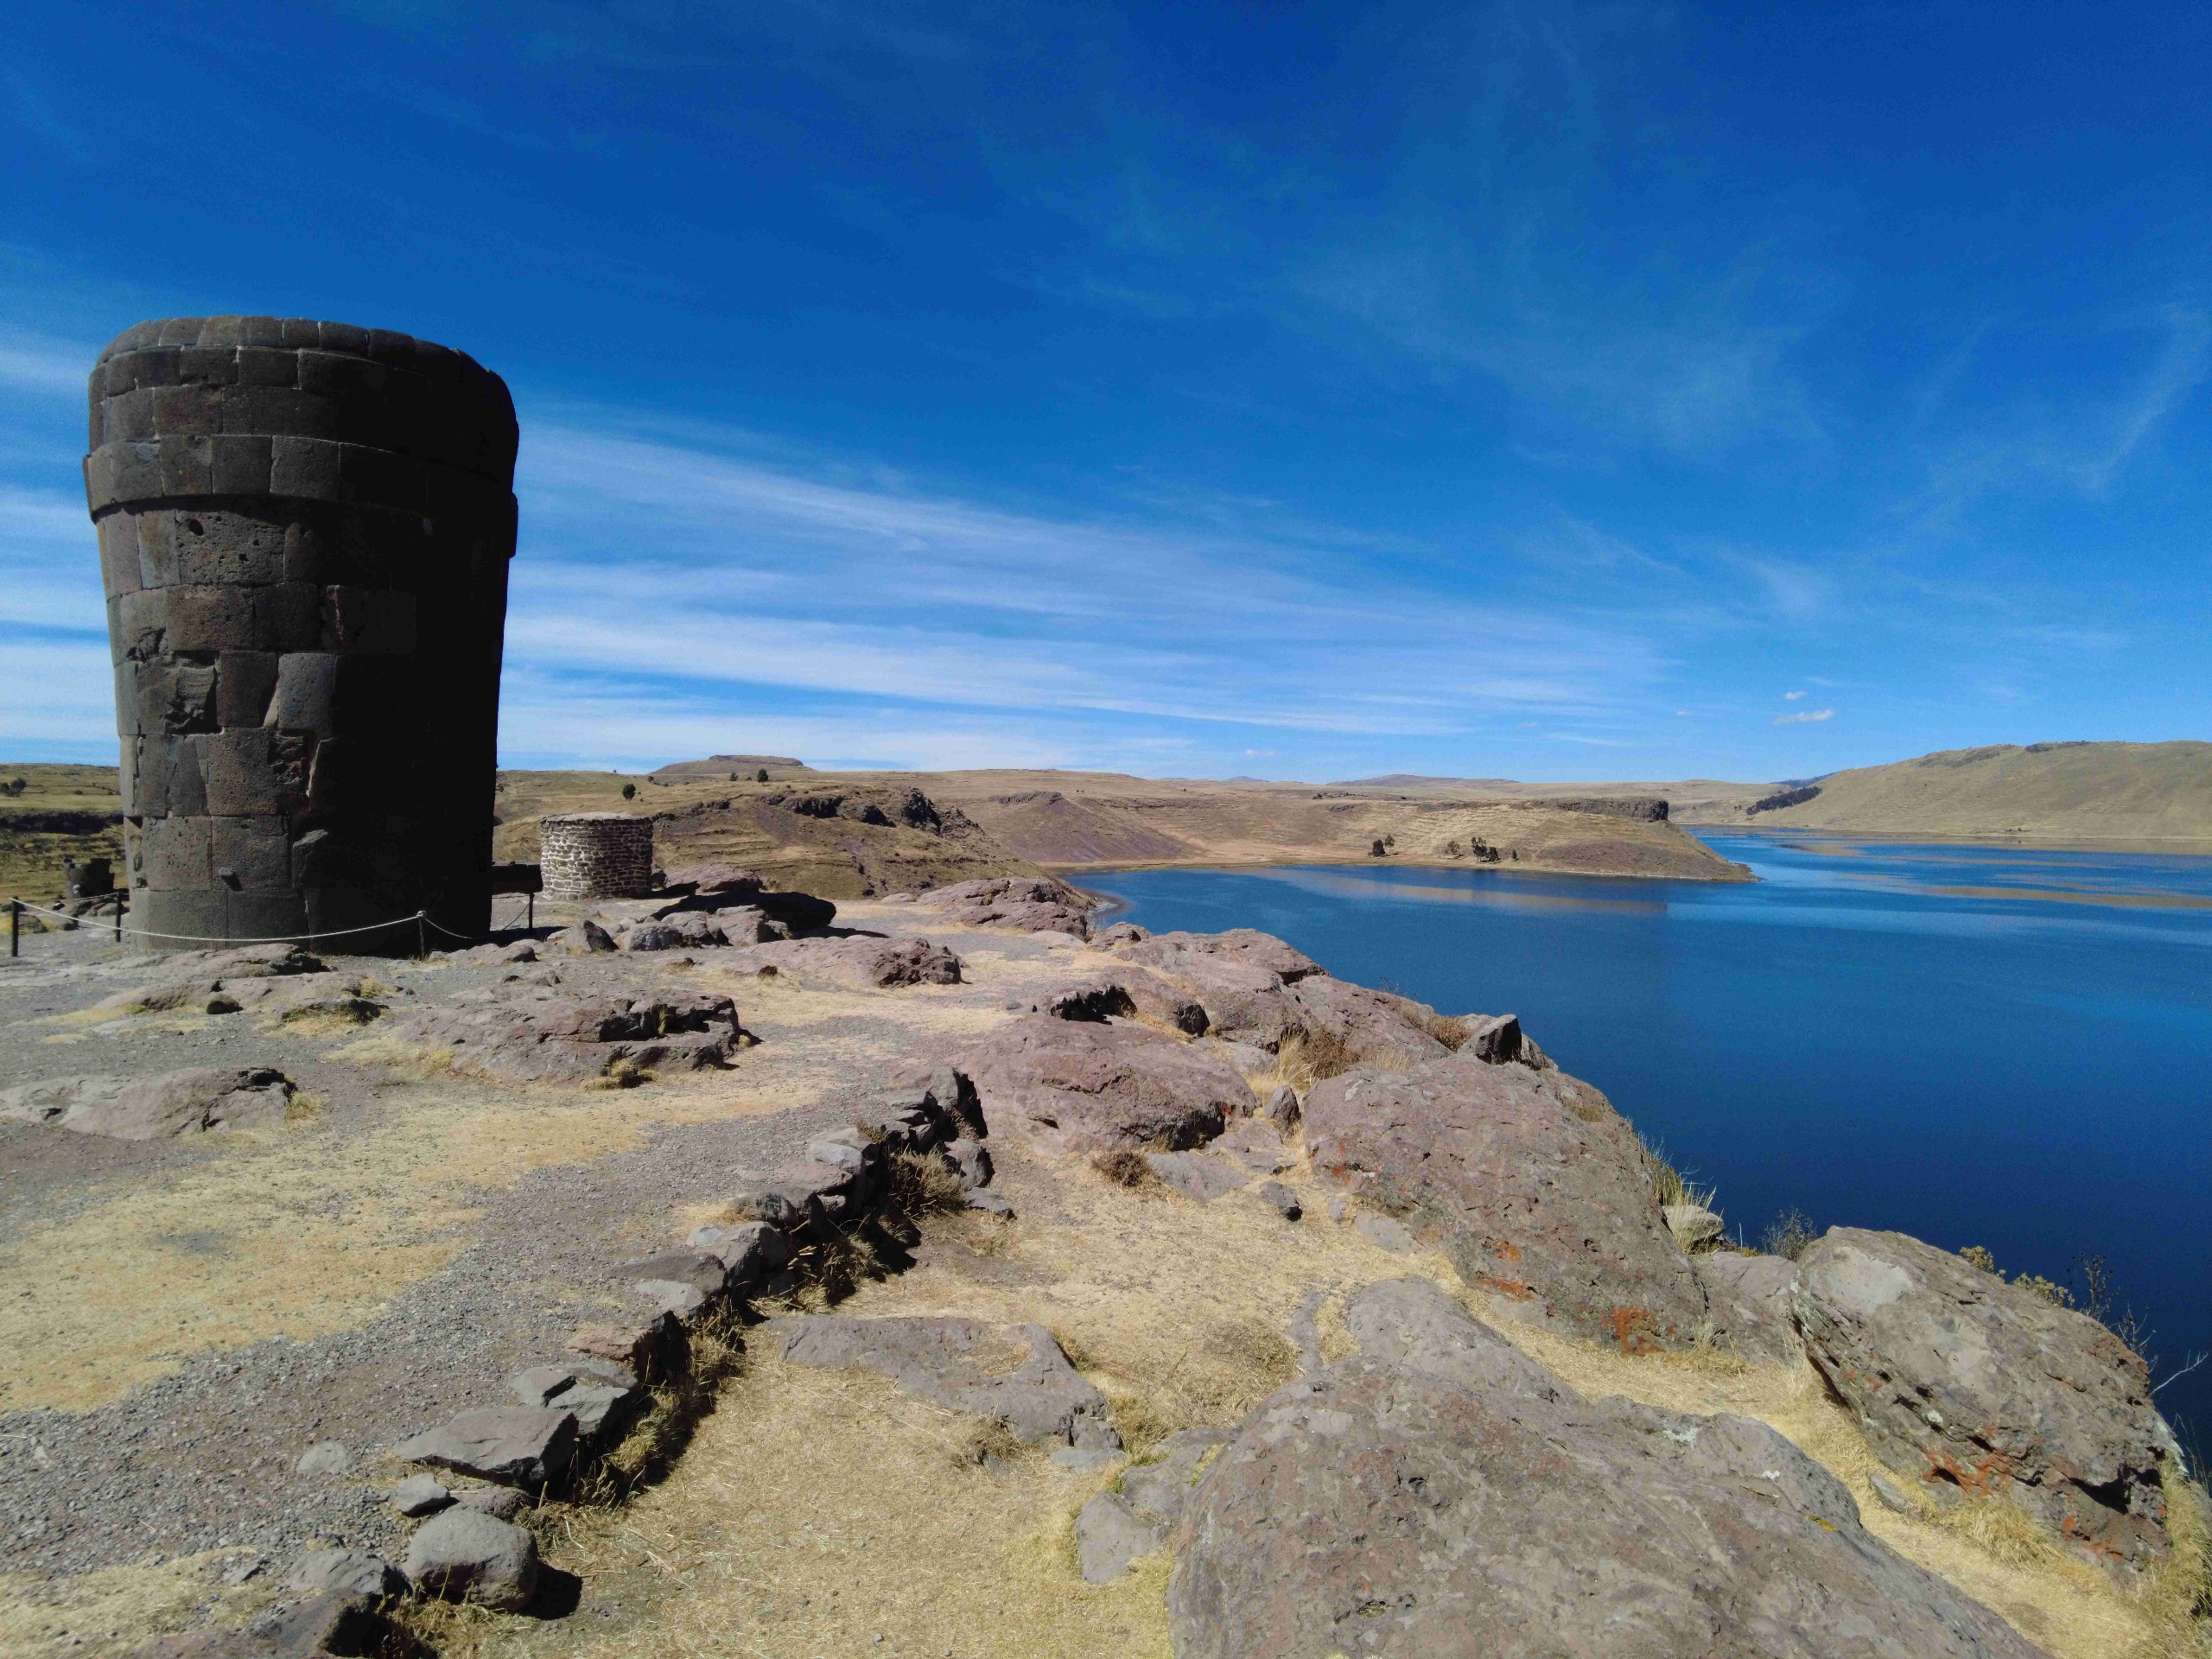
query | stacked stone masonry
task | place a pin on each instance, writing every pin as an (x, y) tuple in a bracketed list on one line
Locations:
[(596, 856), (304, 531)]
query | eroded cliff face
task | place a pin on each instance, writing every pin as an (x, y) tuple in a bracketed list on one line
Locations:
[(1192, 1300)]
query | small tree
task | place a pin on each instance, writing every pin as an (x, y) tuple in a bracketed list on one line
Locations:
[(1452, 850), (1376, 851), (761, 776), (629, 791)]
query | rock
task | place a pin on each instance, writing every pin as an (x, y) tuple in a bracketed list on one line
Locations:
[(420, 1495), (653, 936), (1197, 1175), (1255, 1144), (501, 1503), (1073, 1087), (1493, 1039), (601, 1402), (1891, 1495), (1012, 902), (355, 1571), (1369, 1025), (1534, 1186), (1394, 1236), (1017, 1376), (1282, 1109), (1972, 1388), (750, 1250), (860, 963), (703, 1273), (515, 1445), (586, 938), (323, 1622), (1440, 1493), (157, 1108), (1175, 951), (520, 1033), (463, 1555), (652, 1350), (1119, 933), (1281, 1199), (972, 1159), (1109, 1535), (1692, 1224), (324, 1457), (795, 1194), (991, 1203), (1747, 1298)]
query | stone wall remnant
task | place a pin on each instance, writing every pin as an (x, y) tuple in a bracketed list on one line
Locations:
[(304, 530), (596, 856)]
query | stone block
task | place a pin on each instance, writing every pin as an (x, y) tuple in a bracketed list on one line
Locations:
[(168, 777), (187, 410), (263, 915), (256, 854), (210, 619), (179, 331), (214, 366), (137, 624), (367, 620), (288, 617), (243, 774), (127, 419), (175, 697), (175, 853), (179, 920), (242, 465), (156, 549), (119, 569), (187, 464), (305, 467), (225, 549), (306, 692), (266, 366), (245, 681)]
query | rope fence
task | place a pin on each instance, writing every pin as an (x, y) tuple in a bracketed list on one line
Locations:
[(424, 924)]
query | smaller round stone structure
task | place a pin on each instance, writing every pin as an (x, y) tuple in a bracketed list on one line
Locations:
[(596, 856)]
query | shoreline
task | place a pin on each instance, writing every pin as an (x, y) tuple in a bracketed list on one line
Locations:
[(2170, 847)]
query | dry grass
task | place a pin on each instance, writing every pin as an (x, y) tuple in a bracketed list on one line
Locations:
[(116, 1609), (922, 1183), (1126, 1169)]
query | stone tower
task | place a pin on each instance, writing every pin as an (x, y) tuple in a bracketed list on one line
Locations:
[(304, 530)]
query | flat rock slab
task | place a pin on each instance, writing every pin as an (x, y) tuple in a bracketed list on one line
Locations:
[(1074, 1086), (1256, 1144), (1537, 1189), (1440, 1494), (1133, 1518), (1012, 903), (158, 1108), (1198, 1175), (1016, 1375), (517, 1031), (1973, 1387), (516, 1446)]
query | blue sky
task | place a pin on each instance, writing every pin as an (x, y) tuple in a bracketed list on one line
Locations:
[(1541, 391)]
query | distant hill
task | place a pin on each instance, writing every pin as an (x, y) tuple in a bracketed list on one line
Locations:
[(2090, 792), (732, 766)]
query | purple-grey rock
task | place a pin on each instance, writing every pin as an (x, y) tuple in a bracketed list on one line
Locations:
[(464, 1555), (1199, 1176), (354, 1571), (1974, 1388), (1072, 1086), (1747, 1297), (516, 1445)]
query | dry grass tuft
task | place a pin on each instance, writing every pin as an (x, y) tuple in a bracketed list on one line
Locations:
[(1447, 1029), (409, 1059), (831, 1265), (304, 1107), (922, 1183), (1305, 1057), (1999, 1529), (621, 1074), (1126, 1168)]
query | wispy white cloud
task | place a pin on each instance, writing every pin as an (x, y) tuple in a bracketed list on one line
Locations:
[(1807, 717), (43, 366), (1791, 696)]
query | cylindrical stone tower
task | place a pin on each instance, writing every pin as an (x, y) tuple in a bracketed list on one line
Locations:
[(595, 855), (304, 531)]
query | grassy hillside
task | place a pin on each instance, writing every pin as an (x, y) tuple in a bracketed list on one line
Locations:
[(60, 812), (2085, 792)]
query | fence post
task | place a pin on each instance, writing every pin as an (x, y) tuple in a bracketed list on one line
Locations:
[(15, 927), (421, 938), (118, 918)]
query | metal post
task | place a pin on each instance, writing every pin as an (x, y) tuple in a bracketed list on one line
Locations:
[(421, 938), (118, 918), (530, 902), (15, 927)]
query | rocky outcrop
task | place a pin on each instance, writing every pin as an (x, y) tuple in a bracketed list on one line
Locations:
[(1074, 1086), (154, 1109), (1012, 902), (1132, 1518), (1374, 1027), (1539, 1191), (521, 1033), (863, 962), (1440, 1493), (1015, 1376), (1976, 1387), (1747, 1298)]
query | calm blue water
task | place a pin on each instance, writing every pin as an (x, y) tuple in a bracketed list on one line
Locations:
[(1869, 1033)]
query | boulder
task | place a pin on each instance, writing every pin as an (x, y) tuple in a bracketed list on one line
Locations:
[(586, 938), (324, 1457), (322, 1624), (501, 1503), (355, 1571), (861, 962), (421, 1494), (972, 1159), (749, 1250), (1017, 1375), (1254, 1143), (516, 1445), (1495, 1039), (795, 1194), (1133, 1518), (602, 1398), (465, 1556), (1439, 1493), (1282, 1109), (1370, 1026), (1539, 1191), (157, 1108), (1198, 1175), (1280, 1199), (651, 1350), (1174, 952), (1974, 1388), (1070, 1086), (517, 1031), (1013, 903), (1747, 1298)]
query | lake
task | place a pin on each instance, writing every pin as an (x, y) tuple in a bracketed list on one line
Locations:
[(2008, 1047)]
